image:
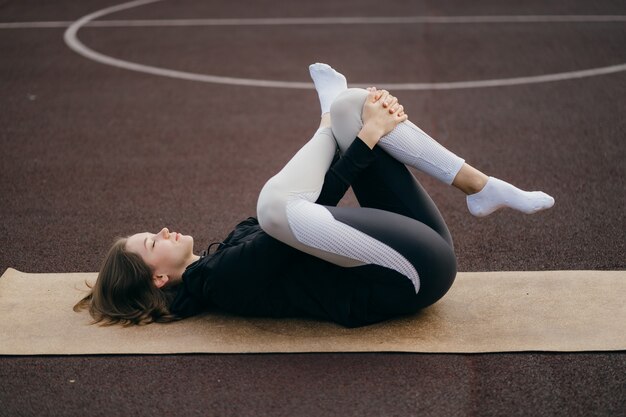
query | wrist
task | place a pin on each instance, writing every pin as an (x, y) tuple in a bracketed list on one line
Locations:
[(370, 135)]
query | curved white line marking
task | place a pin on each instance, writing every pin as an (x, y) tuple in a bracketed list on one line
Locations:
[(75, 44), (391, 20)]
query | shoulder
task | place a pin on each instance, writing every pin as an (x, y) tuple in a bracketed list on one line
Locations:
[(242, 229)]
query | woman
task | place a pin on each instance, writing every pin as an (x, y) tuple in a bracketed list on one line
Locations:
[(305, 256)]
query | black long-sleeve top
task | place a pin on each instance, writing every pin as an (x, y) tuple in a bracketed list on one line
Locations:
[(253, 274)]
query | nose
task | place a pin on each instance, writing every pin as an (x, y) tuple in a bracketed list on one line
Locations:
[(165, 232)]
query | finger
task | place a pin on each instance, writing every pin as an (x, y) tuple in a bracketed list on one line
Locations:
[(377, 94), (394, 107), (380, 93), (384, 97), (392, 101), (389, 100)]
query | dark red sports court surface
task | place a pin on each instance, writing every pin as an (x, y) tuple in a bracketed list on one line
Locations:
[(90, 152)]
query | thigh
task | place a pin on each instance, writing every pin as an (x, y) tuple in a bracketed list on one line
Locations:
[(387, 184), (430, 254)]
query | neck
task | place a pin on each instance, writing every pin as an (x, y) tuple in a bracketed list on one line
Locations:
[(178, 278), (192, 258)]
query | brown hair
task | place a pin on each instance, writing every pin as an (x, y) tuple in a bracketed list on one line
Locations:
[(125, 293)]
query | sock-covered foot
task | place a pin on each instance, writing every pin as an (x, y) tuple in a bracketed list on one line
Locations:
[(328, 83), (497, 194)]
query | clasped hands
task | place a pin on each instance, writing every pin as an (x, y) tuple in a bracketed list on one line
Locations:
[(381, 114)]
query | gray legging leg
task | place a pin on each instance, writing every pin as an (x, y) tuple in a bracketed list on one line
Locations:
[(398, 211), (410, 239)]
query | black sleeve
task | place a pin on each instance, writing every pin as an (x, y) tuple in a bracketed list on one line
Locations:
[(344, 171)]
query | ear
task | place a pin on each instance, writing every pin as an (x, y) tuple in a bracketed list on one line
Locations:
[(160, 280)]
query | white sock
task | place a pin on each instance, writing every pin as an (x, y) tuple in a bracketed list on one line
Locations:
[(497, 194), (328, 83)]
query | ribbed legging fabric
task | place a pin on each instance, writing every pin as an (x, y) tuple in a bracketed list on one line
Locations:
[(397, 227)]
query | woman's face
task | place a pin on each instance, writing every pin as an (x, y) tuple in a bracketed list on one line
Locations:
[(168, 253)]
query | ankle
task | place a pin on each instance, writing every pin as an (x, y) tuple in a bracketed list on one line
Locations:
[(470, 180), (325, 120), (475, 184)]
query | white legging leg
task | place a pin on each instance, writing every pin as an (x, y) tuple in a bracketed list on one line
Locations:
[(301, 179), (286, 207), (287, 211), (407, 143)]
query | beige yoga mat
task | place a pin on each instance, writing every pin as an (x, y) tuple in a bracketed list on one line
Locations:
[(482, 312)]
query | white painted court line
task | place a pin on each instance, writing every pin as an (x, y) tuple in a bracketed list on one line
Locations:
[(71, 39), (296, 21)]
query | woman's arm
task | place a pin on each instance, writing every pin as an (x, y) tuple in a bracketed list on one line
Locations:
[(381, 113), (344, 171)]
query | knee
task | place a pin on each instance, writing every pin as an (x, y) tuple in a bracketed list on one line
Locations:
[(345, 114), (438, 279), (351, 98), (270, 207), (445, 269)]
